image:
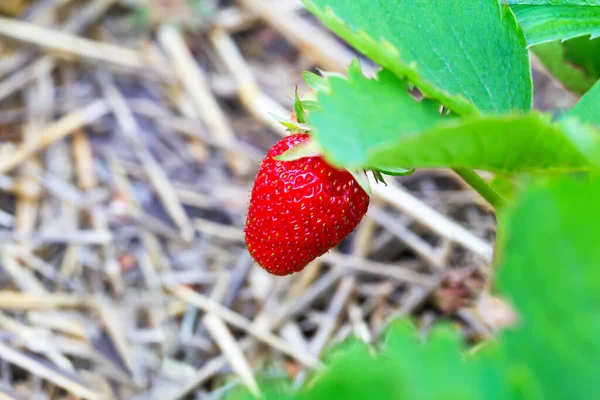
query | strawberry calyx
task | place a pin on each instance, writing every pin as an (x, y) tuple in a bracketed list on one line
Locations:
[(292, 124), (299, 110), (308, 148), (297, 124)]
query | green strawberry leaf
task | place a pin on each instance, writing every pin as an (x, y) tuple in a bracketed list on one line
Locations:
[(384, 127), (552, 2), (468, 55), (368, 112), (406, 368), (587, 110), (584, 52), (573, 77), (505, 144), (575, 63), (549, 251), (298, 109), (544, 21)]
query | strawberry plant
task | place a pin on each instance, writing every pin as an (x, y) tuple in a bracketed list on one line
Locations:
[(575, 62), (469, 61)]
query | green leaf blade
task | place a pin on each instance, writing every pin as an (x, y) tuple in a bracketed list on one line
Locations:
[(575, 63), (405, 368), (359, 113), (587, 110), (504, 144), (371, 124), (545, 23), (550, 271), (299, 109), (552, 2), (469, 56)]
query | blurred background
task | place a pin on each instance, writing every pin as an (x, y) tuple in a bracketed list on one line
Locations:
[(130, 133)]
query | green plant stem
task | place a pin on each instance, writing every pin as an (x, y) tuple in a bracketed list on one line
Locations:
[(481, 186)]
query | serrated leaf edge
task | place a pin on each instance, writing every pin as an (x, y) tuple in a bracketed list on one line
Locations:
[(458, 103)]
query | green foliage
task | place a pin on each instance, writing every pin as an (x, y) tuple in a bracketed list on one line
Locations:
[(552, 2), (310, 105), (585, 53), (508, 143), (575, 63), (587, 109), (505, 185), (299, 109), (469, 56), (385, 127), (291, 126), (548, 22), (404, 369), (450, 59), (369, 112), (550, 271)]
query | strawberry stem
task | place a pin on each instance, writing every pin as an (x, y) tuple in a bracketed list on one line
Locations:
[(481, 186)]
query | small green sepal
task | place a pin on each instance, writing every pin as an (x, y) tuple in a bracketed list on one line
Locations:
[(395, 171), (309, 148), (378, 177), (311, 105), (315, 82), (362, 179), (298, 108), (291, 125)]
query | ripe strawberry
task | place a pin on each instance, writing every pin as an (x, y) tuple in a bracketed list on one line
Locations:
[(300, 209)]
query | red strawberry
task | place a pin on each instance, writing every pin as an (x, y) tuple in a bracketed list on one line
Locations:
[(300, 209)]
